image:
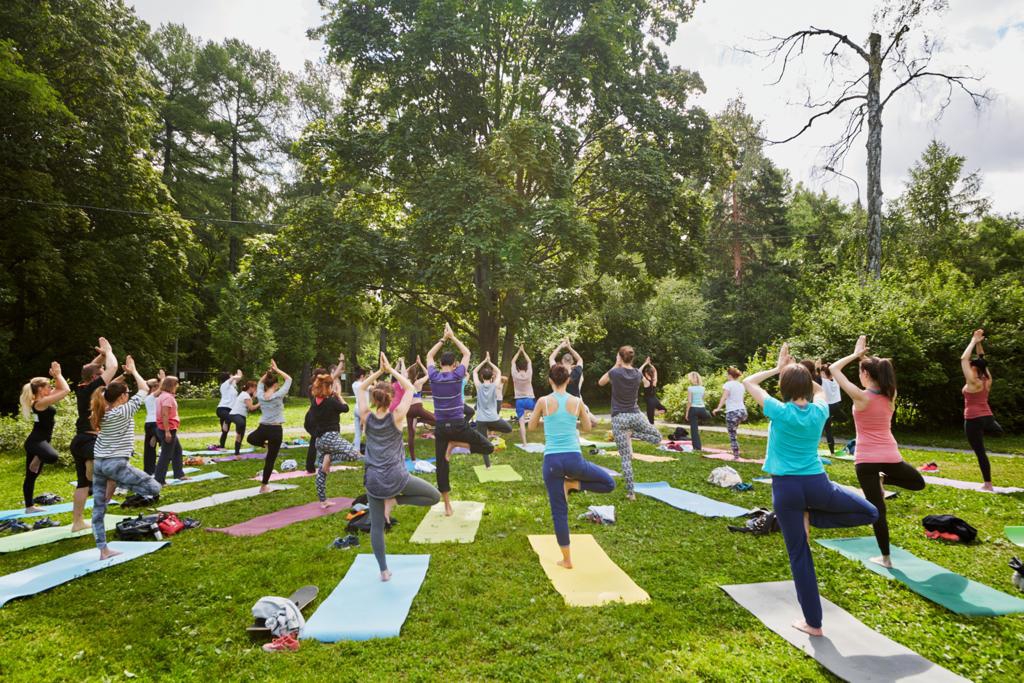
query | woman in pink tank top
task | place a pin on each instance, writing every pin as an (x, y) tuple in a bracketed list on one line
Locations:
[(877, 453), (978, 418)]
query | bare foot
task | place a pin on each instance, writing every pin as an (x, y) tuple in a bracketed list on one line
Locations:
[(265, 488), (570, 485), (389, 505), (34, 508), (987, 486), (883, 560), (801, 625), (326, 504), (107, 553), (630, 496), (385, 575), (448, 511), (807, 524), (78, 526), (565, 563)]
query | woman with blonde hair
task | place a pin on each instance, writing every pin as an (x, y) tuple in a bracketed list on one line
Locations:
[(38, 398), (696, 412)]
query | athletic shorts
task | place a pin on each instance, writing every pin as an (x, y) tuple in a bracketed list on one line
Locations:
[(238, 421), (82, 446), (524, 405), (223, 412)]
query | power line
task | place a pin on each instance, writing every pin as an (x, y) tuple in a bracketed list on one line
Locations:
[(135, 212)]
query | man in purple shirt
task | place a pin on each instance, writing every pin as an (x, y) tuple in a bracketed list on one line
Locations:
[(446, 388)]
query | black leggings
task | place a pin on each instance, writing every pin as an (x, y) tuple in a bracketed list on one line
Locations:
[(498, 425), (311, 454), (149, 449), (81, 450), (833, 412), (223, 414), (271, 436), (653, 405), (47, 456), (445, 432), (975, 430), (900, 474)]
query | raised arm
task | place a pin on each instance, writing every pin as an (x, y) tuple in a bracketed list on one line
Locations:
[(753, 383), (435, 348), (398, 414), (538, 412), (965, 359), (235, 377), (553, 358), (60, 391), (859, 396), (339, 369), (463, 349), (109, 360), (129, 367), (365, 388), (283, 391), (577, 358)]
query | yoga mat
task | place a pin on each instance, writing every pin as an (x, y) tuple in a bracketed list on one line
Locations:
[(205, 476), (218, 498), (825, 452), (531, 447), (593, 580), (954, 592), (459, 528), (244, 456), (410, 465), (968, 485), (722, 455), (362, 606), (496, 473), (689, 501), (68, 568), (226, 451), (59, 508), (643, 457), (297, 473), (889, 493), (599, 444), (282, 518), (1015, 534), (849, 649), (31, 539), (186, 470)]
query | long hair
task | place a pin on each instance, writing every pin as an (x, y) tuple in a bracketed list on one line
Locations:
[(28, 394), (882, 372), (413, 373), (101, 400), (695, 379), (981, 365), (269, 379), (381, 395)]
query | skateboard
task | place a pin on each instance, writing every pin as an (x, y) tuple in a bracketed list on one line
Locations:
[(302, 598)]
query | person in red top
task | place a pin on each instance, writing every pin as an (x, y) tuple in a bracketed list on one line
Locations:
[(167, 423), (877, 454), (978, 418)]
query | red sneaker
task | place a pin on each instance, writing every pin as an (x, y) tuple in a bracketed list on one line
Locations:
[(285, 643)]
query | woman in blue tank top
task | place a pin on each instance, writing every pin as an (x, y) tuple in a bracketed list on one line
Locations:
[(565, 470)]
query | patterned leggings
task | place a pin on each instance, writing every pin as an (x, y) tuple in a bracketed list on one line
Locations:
[(624, 427), (733, 418), (331, 449)]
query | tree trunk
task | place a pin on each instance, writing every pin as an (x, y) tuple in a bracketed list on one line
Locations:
[(234, 243), (508, 346), (874, 147), (737, 253), (488, 325)]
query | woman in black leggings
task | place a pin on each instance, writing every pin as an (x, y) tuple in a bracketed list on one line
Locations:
[(978, 418), (270, 432), (650, 379), (37, 401)]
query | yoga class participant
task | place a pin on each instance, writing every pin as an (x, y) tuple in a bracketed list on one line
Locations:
[(112, 414), (696, 412), (38, 399), (802, 494), (167, 423), (650, 380), (446, 387), (241, 408), (835, 402), (270, 431), (735, 408), (388, 482), (522, 385), (565, 470), (150, 440), (488, 382), (228, 394), (627, 420), (325, 422), (573, 362), (95, 374), (978, 417), (357, 391), (335, 373), (877, 455), (417, 375)]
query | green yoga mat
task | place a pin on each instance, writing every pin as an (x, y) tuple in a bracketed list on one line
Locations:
[(31, 539), (954, 592), (496, 473), (1015, 534)]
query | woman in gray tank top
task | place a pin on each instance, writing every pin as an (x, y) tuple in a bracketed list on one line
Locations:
[(388, 482)]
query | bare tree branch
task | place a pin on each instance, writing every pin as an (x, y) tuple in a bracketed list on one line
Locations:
[(810, 122), (953, 81)]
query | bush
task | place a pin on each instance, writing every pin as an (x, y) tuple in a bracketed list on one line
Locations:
[(14, 429), (208, 389), (674, 395)]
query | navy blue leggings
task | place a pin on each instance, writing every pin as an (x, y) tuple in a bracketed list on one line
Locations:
[(831, 507), (561, 466)]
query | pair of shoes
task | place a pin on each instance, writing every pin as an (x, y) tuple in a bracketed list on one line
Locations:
[(17, 527), (285, 643), (47, 499), (345, 543), (45, 523)]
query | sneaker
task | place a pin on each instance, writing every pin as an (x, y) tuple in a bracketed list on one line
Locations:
[(345, 543), (45, 523), (285, 643), (18, 527), (47, 499)]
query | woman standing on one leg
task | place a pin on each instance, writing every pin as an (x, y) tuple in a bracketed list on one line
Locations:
[(835, 400), (325, 420), (38, 399), (334, 373), (877, 453), (95, 374), (228, 394), (167, 423), (627, 420), (565, 470), (240, 410), (387, 481), (735, 408), (149, 435), (573, 362), (112, 418), (270, 431), (357, 390), (487, 380), (695, 410), (522, 384), (650, 380), (978, 418), (417, 375), (802, 494)]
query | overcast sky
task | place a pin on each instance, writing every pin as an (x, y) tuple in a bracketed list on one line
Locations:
[(987, 35)]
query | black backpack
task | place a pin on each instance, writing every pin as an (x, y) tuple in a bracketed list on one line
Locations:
[(761, 523), (679, 434), (139, 528), (950, 525)]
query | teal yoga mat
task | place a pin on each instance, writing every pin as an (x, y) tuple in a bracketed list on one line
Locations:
[(954, 592), (691, 502), (48, 510), (1015, 534), (363, 607), (68, 568)]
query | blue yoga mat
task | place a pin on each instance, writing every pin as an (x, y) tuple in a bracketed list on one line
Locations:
[(691, 502), (410, 465), (205, 476), (68, 568), (954, 592), (57, 509), (363, 607)]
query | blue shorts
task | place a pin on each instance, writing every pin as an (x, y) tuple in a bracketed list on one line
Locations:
[(523, 405)]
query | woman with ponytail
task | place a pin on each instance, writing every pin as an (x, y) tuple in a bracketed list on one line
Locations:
[(877, 454), (978, 418), (324, 420), (270, 432), (417, 375), (38, 399)]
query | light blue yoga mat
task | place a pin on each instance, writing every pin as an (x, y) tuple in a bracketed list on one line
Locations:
[(186, 470), (410, 465), (205, 476), (691, 502), (68, 568), (363, 607), (954, 592), (57, 509)]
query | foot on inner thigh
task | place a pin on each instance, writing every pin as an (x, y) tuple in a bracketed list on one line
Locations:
[(389, 505), (883, 560), (570, 485), (107, 553), (807, 523), (801, 625), (35, 465), (385, 575)]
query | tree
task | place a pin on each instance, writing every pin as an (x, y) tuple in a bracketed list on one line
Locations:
[(240, 334), (858, 92)]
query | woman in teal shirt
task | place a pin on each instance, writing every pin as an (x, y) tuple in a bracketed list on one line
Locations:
[(696, 411)]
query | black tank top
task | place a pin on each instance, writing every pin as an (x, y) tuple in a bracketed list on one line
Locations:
[(42, 424), (649, 391)]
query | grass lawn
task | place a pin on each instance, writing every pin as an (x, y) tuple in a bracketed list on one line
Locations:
[(486, 610)]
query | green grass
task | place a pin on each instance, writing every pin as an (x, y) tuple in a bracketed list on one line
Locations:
[(486, 611)]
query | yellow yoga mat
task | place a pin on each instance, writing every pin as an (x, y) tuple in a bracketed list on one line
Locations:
[(593, 580), (651, 458), (459, 528), (496, 473)]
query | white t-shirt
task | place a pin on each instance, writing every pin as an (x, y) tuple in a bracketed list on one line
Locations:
[(150, 403), (831, 389), (228, 393), (736, 393), (356, 387), (239, 407)]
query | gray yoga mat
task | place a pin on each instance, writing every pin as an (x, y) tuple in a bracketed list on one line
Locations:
[(849, 649)]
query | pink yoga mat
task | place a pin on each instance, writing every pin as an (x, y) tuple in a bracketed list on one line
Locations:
[(283, 518), (725, 455), (294, 474)]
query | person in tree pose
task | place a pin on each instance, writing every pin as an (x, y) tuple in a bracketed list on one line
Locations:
[(565, 470), (522, 384), (627, 420), (802, 494), (573, 363), (835, 402), (446, 386), (357, 384), (38, 398), (95, 374), (488, 382), (228, 394), (270, 431), (167, 423), (334, 373), (149, 435), (325, 422), (240, 410), (978, 417), (417, 375), (650, 380), (877, 454), (388, 482), (111, 416), (735, 408), (696, 412)]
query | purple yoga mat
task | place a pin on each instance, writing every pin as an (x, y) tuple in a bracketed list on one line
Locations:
[(283, 518), (278, 476), (243, 456)]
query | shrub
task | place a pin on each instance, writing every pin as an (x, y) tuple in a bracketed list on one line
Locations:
[(14, 429), (674, 395)]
